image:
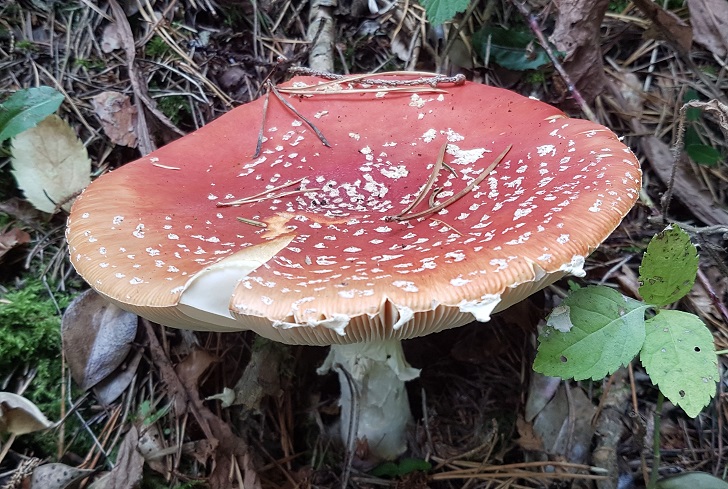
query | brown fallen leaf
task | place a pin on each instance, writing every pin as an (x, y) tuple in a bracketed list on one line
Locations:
[(118, 117), (709, 19), (667, 26), (96, 337), (127, 473), (230, 451), (11, 239), (261, 376), (193, 367), (113, 386), (574, 34)]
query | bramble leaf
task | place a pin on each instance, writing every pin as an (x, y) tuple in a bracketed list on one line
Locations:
[(679, 356), (441, 11), (668, 268), (703, 154), (593, 333), (26, 108)]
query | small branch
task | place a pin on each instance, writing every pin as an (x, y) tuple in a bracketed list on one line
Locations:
[(290, 107), (259, 145), (555, 60), (431, 210)]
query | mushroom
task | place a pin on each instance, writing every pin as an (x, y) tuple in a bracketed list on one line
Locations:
[(372, 210)]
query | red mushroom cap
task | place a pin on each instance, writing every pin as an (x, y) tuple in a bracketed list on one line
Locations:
[(313, 244)]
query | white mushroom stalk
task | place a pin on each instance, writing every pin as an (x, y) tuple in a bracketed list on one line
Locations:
[(358, 211), (374, 405)]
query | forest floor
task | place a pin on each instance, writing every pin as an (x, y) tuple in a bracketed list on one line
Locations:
[(631, 69)]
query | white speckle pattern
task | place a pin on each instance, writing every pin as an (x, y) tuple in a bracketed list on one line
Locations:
[(313, 236)]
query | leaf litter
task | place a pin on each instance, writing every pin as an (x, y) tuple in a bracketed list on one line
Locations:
[(459, 400)]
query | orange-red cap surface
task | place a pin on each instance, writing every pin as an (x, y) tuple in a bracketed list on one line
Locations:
[(320, 248)]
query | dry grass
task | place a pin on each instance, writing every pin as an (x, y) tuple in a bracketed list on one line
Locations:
[(188, 61)]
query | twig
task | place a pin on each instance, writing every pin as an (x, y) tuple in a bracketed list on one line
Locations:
[(353, 424), (554, 59), (424, 79), (290, 107), (431, 210), (430, 181), (260, 195), (259, 145)]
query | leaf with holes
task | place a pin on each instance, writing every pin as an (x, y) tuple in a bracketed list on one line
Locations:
[(679, 356), (441, 11), (668, 268), (593, 333), (26, 108)]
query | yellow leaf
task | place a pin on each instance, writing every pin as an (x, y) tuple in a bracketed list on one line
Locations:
[(50, 164)]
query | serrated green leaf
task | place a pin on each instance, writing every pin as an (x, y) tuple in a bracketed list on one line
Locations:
[(703, 154), (606, 331), (679, 356), (668, 268), (441, 11), (510, 48), (26, 108), (691, 137)]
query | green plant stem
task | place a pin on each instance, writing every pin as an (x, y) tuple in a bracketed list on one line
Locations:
[(656, 442)]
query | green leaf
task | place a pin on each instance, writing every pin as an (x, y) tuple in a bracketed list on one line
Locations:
[(691, 137), (593, 333), (692, 113), (703, 154), (441, 11), (693, 480), (668, 268), (679, 356), (26, 108), (510, 48)]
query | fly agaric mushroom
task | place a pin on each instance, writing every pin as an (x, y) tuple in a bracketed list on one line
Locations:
[(372, 210)]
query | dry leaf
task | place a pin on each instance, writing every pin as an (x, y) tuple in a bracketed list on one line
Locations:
[(20, 416), (118, 117), (50, 164), (97, 337), (11, 239), (111, 38), (564, 425), (58, 476), (114, 385), (573, 34), (667, 25), (709, 19), (193, 367), (127, 473)]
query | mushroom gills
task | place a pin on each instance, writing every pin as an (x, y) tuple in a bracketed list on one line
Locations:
[(207, 295)]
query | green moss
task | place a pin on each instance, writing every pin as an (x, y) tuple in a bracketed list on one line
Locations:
[(175, 107), (30, 336), (157, 47)]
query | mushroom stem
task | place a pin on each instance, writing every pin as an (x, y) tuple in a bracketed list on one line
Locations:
[(374, 404)]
